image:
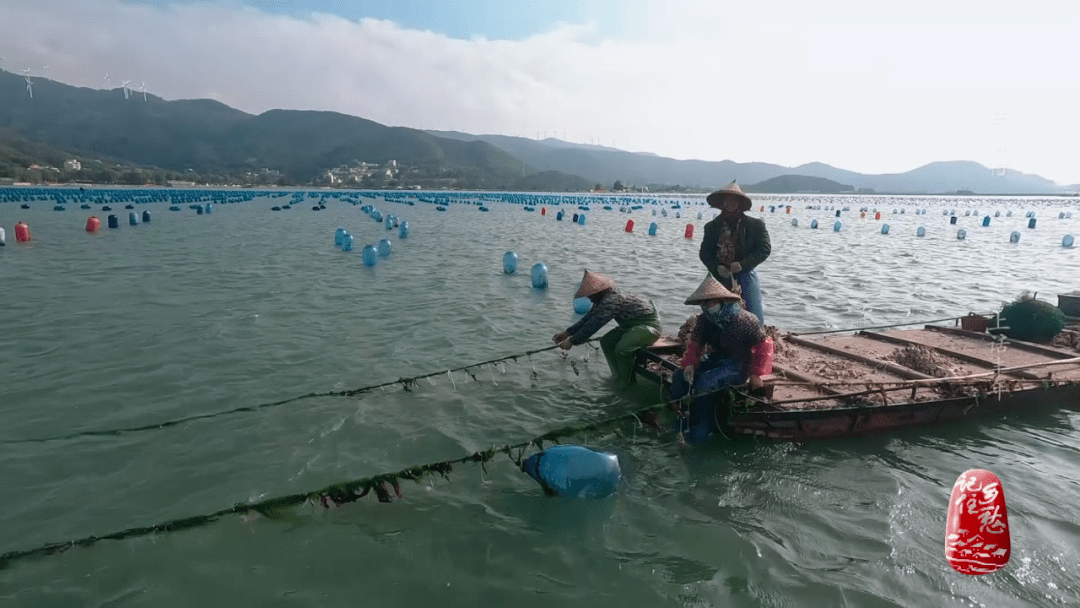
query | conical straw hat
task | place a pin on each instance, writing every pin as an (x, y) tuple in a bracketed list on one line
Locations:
[(716, 199), (711, 289), (593, 282)]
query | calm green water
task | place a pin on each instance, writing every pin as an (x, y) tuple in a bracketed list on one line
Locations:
[(195, 314)]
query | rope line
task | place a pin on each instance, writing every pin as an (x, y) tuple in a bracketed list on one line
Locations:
[(407, 383), (333, 495)]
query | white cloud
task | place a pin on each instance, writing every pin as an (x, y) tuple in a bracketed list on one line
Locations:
[(870, 87)]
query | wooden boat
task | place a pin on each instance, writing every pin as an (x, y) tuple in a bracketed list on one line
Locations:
[(869, 381)]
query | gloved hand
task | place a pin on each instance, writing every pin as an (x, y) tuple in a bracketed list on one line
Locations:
[(559, 337), (722, 271), (688, 374), (735, 267), (565, 344)]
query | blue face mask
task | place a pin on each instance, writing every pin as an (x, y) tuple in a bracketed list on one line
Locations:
[(721, 313)]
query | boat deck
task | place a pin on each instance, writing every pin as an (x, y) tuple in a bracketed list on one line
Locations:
[(870, 367)]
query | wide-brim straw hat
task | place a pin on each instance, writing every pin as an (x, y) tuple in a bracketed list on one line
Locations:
[(593, 282), (716, 199), (711, 289)]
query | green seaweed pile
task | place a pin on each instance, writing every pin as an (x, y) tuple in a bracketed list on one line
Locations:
[(1032, 320)]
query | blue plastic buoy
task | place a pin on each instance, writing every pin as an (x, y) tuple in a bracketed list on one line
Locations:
[(539, 275), (209, 208), (652, 229), (921, 231), (384, 247), (574, 219), (986, 221), (403, 230), (371, 257), (339, 234), (510, 260), (794, 222), (1067, 241), (347, 242), (581, 219), (836, 226), (558, 216), (961, 234), (198, 210), (574, 471), (813, 224), (133, 218), (952, 220), (113, 221), (1014, 237), (1031, 223), (884, 229), (582, 305), (146, 217)]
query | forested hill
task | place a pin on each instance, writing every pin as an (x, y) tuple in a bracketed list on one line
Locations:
[(209, 137)]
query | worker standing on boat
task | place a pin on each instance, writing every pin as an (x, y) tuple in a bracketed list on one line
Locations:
[(639, 324), (734, 244), (742, 353)]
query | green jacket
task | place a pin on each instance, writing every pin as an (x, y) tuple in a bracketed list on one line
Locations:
[(752, 245)]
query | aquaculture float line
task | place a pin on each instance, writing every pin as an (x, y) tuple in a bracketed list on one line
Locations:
[(344, 492), (407, 383)]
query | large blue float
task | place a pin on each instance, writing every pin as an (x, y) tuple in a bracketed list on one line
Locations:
[(510, 260), (574, 471), (539, 275)]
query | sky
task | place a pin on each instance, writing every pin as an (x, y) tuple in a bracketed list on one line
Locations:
[(872, 87)]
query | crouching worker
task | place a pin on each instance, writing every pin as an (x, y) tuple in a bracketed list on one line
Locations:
[(741, 354), (639, 324)]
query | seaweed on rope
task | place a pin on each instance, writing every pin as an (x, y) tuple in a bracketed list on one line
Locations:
[(350, 491)]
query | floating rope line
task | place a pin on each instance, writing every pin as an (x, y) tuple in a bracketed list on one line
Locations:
[(406, 383), (340, 493)]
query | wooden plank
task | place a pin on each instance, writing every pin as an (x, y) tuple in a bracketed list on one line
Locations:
[(1019, 344), (979, 361), (893, 368), (818, 384)]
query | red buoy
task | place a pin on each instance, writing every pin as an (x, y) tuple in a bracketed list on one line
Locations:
[(22, 232), (93, 224), (689, 231), (788, 209), (629, 225), (877, 216), (543, 210), (977, 530)]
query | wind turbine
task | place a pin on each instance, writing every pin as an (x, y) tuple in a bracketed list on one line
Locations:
[(29, 87), (2, 64), (127, 92), (106, 81), (143, 89), (46, 69)]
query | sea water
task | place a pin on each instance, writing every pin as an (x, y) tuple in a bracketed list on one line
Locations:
[(201, 314)]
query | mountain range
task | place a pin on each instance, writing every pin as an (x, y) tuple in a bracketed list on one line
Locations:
[(207, 136)]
